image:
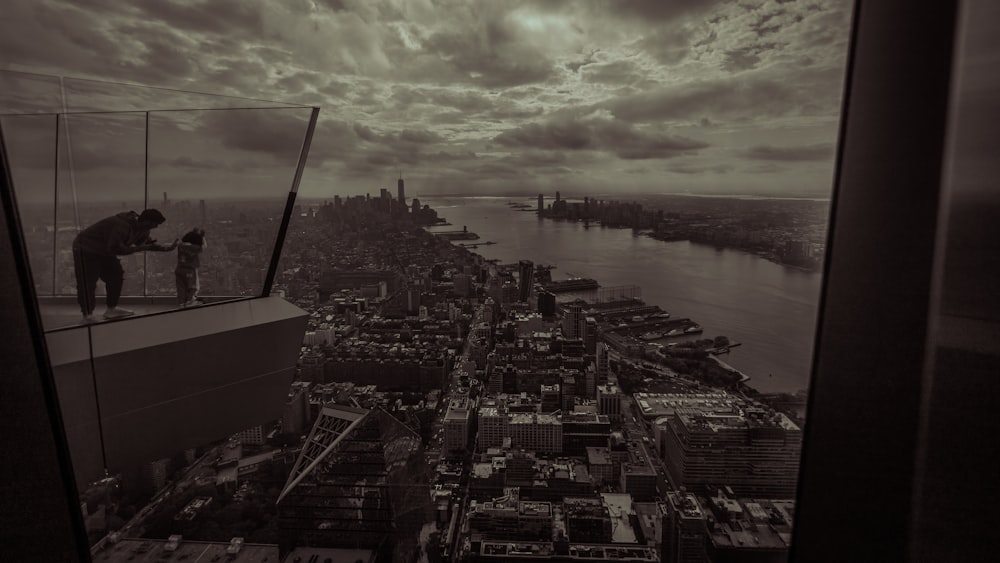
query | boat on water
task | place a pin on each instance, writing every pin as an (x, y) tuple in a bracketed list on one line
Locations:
[(693, 329), (652, 335), (675, 332)]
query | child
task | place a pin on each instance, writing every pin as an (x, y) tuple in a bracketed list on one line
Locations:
[(187, 267)]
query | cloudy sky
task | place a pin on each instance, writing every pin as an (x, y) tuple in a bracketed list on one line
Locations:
[(476, 97)]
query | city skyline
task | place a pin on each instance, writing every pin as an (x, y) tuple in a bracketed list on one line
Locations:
[(706, 97)]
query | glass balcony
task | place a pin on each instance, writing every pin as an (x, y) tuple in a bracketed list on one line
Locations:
[(81, 151), (142, 387)]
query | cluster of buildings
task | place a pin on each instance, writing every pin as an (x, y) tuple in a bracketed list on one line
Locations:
[(788, 232), (453, 407)]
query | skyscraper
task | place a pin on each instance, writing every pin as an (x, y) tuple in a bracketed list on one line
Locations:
[(541, 203), (360, 482), (684, 530), (526, 276), (573, 322), (400, 191)]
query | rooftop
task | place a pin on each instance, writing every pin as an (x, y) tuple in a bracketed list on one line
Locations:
[(685, 504), (711, 411), (138, 550), (532, 418), (588, 552), (598, 456), (329, 553), (620, 507)]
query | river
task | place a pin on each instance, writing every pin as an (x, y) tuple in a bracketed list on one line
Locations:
[(769, 308)]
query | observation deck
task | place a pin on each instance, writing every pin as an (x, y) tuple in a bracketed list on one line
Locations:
[(168, 378)]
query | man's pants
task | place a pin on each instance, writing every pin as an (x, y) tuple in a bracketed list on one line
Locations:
[(89, 268)]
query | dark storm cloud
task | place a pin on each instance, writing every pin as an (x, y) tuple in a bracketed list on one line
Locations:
[(572, 135), (466, 100), (333, 140), (619, 138), (575, 65), (691, 168), (756, 96), (532, 158), (419, 137), (433, 83), (741, 59), (51, 36), (658, 10), (296, 83), (765, 168), (161, 57), (402, 138), (744, 58), (668, 45), (213, 16), (277, 133), (97, 141), (618, 73), (491, 55), (764, 25), (819, 152)]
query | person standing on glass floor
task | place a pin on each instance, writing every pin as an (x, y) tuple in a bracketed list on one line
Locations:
[(188, 262), (95, 257)]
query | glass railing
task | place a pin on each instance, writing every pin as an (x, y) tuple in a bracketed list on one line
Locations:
[(81, 151)]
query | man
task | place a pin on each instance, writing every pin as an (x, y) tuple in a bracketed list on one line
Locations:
[(95, 256)]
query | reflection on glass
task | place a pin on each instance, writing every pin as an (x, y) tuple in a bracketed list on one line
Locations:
[(77, 159), (35, 177), (227, 172)]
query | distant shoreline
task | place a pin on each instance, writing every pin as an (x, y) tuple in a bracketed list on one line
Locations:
[(751, 197)]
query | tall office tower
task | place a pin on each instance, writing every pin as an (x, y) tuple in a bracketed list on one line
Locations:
[(609, 401), (590, 335), (573, 322), (541, 203), (493, 426), (165, 198), (719, 439), (557, 196), (360, 482), (684, 529), (385, 200), (590, 382), (568, 392), (603, 363), (153, 475), (415, 207), (547, 304), (400, 191), (526, 276), (550, 398), (584, 430), (456, 425), (295, 417), (462, 284)]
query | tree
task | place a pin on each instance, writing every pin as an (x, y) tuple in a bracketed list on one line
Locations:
[(721, 341)]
